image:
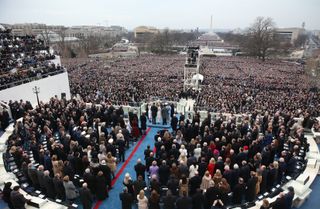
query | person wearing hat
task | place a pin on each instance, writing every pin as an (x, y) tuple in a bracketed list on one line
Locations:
[(126, 199)]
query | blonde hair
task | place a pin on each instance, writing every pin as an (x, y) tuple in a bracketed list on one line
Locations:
[(66, 178), (141, 194)]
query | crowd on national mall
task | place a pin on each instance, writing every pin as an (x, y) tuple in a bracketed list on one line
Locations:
[(196, 163)]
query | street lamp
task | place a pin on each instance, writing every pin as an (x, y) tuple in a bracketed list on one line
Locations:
[(36, 90)]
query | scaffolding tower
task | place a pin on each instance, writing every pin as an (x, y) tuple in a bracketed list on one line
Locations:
[(191, 68)]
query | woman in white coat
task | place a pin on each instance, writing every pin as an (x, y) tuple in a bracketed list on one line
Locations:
[(142, 200)]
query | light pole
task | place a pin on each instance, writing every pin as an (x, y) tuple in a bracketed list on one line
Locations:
[(36, 90)]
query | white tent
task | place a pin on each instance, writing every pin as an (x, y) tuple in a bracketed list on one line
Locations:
[(197, 77), (2, 28)]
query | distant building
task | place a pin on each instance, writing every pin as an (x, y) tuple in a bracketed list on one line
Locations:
[(33, 29), (211, 44), (316, 33), (86, 31), (289, 34), (143, 33)]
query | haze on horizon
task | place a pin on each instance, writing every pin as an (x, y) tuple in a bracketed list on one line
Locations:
[(174, 14)]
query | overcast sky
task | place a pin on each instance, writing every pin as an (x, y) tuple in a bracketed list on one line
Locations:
[(175, 14)]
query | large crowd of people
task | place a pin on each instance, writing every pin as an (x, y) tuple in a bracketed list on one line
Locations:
[(231, 84), (70, 149), (126, 81), (219, 163), (62, 141), (238, 85), (69, 141), (23, 58)]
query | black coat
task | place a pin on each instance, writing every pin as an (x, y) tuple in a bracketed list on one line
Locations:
[(174, 123), (154, 111), (237, 193), (86, 198), (143, 121), (194, 184), (140, 170), (251, 189), (59, 188), (245, 172), (126, 200), (169, 202), (184, 203), (154, 204), (107, 173), (6, 196), (51, 193), (90, 179), (271, 178), (164, 173), (198, 200), (18, 200), (264, 182), (280, 203), (212, 194), (101, 188)]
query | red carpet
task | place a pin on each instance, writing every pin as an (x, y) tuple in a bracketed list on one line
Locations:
[(97, 205)]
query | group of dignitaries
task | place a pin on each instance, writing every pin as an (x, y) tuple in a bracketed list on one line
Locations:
[(69, 150), (217, 163), (76, 148)]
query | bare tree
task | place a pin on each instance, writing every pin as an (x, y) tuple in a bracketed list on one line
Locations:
[(45, 34), (301, 40), (261, 37)]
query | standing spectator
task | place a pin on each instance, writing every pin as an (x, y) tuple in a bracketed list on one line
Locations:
[(58, 187), (127, 182), (138, 185), (86, 196), (142, 200), (70, 190), (111, 162), (6, 194), (122, 148), (154, 200), (143, 123), (289, 197), (238, 192), (206, 181), (174, 123), (101, 186), (140, 169), (251, 187), (183, 186), (17, 199), (154, 169), (164, 173), (169, 200), (154, 110), (48, 183), (126, 199), (184, 202), (198, 200)]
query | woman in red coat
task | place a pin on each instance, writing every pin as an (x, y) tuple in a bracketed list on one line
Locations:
[(211, 166), (135, 129)]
